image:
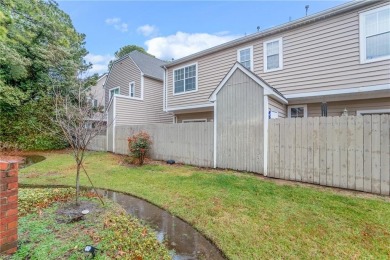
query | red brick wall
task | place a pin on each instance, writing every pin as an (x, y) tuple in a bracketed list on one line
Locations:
[(8, 207)]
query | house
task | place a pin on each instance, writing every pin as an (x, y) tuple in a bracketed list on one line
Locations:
[(331, 63), (134, 93), (96, 92)]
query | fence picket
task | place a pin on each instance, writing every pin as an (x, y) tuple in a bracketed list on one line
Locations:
[(367, 153), (376, 155), (385, 155), (322, 148)]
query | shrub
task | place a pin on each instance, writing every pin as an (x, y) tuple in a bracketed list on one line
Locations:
[(139, 145)]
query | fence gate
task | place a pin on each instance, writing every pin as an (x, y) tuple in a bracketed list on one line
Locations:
[(239, 121)]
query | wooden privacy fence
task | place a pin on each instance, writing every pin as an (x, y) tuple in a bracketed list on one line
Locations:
[(349, 152), (190, 143)]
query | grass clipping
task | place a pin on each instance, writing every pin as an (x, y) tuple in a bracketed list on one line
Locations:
[(116, 234)]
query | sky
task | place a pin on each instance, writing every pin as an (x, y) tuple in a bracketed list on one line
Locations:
[(174, 29)]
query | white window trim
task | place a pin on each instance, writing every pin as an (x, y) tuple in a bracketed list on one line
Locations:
[(251, 54), (295, 106), (132, 82), (280, 54), (196, 80), (373, 111), (111, 89), (362, 34), (194, 120)]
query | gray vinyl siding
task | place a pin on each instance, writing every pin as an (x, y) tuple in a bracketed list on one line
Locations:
[(209, 115), (275, 105), (240, 126), (323, 55), (147, 111), (121, 74), (337, 108)]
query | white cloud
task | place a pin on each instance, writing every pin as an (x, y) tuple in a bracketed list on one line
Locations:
[(182, 44), (99, 63), (118, 25), (147, 30)]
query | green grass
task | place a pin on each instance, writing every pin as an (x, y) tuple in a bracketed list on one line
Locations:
[(45, 234), (246, 217)]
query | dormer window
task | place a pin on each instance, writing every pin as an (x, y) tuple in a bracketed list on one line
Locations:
[(245, 57)]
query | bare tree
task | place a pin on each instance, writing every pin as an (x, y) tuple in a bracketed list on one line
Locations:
[(80, 121)]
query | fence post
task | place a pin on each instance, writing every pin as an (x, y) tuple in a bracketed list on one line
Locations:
[(8, 207)]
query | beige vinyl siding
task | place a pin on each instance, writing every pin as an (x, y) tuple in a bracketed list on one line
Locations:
[(148, 111), (319, 56), (275, 105), (209, 115), (98, 91), (121, 74), (337, 108)]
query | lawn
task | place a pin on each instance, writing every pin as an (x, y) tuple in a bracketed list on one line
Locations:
[(247, 217)]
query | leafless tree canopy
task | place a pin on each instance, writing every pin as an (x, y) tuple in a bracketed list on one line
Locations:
[(80, 121)]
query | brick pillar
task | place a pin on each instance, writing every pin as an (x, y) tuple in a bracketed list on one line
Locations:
[(8, 207)]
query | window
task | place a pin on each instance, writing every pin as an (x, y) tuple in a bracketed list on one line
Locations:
[(194, 121), (375, 34), (273, 55), (94, 102), (114, 91), (297, 111), (185, 79), (245, 57), (132, 89)]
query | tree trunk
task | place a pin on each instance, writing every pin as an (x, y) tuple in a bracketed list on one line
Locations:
[(78, 183)]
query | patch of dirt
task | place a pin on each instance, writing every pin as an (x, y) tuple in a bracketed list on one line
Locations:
[(70, 212)]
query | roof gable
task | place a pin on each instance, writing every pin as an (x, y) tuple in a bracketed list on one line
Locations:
[(148, 65), (268, 90)]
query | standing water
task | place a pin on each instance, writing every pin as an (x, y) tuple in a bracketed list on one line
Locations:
[(181, 237)]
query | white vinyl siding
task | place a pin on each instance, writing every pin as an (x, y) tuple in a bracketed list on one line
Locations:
[(375, 34), (245, 57), (273, 55), (185, 79)]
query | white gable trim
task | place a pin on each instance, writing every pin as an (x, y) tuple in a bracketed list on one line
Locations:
[(267, 90)]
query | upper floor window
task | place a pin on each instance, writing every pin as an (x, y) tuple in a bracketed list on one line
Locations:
[(94, 102), (132, 89), (273, 55), (245, 57), (375, 34), (114, 91), (184, 79)]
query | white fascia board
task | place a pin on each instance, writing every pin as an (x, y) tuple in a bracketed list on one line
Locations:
[(172, 109), (339, 91)]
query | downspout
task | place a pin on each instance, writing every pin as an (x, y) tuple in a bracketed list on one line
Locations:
[(164, 88)]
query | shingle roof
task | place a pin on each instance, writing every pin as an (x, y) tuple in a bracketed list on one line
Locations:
[(149, 65)]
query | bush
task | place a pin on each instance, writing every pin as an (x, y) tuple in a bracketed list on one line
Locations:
[(139, 145)]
